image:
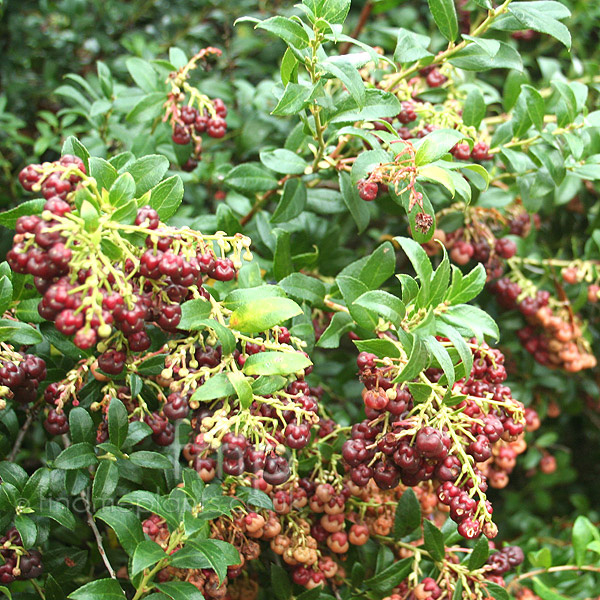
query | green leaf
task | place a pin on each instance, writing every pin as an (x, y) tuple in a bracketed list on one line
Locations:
[(147, 554), (58, 512), (237, 298), (443, 358), (216, 554), (122, 190), (417, 361), (118, 422), (391, 576), (262, 314), (584, 531), (265, 385), (147, 108), (166, 197), (356, 205), (251, 178), (152, 366), (143, 74), (340, 324), (433, 540), (474, 57), (218, 386), (377, 104), (333, 11), (283, 161), (436, 144), (275, 363), (76, 456), (147, 172), (27, 530), (535, 106), (125, 524), (289, 31), (466, 288), (348, 74), (497, 592), (474, 108), (280, 582), (73, 146), (383, 304), (108, 589), (471, 320), (13, 474), (444, 15), (418, 258), (411, 46), (292, 203), (293, 99), (351, 289), (103, 172), (180, 590), (105, 483), (480, 554), (19, 333), (152, 503), (303, 287), (150, 460), (544, 592), (408, 514), (282, 257), (539, 20), (460, 345), (379, 267), (193, 313), (243, 389), (8, 218), (81, 426), (253, 497)]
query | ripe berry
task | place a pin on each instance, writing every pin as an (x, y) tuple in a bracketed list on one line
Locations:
[(147, 216), (188, 114), (217, 127), (367, 190), (435, 78), (28, 177), (112, 361), (277, 470), (461, 151), (462, 252), (407, 114), (220, 107), (506, 248), (68, 322), (181, 135), (56, 423), (480, 151), (223, 270)]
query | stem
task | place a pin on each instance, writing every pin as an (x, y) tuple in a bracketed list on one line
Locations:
[(452, 48), (92, 524), (31, 414), (558, 569)]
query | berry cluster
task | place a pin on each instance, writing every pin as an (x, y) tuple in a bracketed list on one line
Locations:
[(479, 153), (272, 425), (191, 113), (21, 374), (188, 123), (501, 562), (18, 563), (87, 294), (553, 334), (400, 443)]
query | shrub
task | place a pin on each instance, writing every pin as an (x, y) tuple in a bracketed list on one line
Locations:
[(284, 379)]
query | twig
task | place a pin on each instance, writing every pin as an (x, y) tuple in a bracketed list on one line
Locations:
[(31, 414), (362, 21), (92, 524), (557, 569)]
